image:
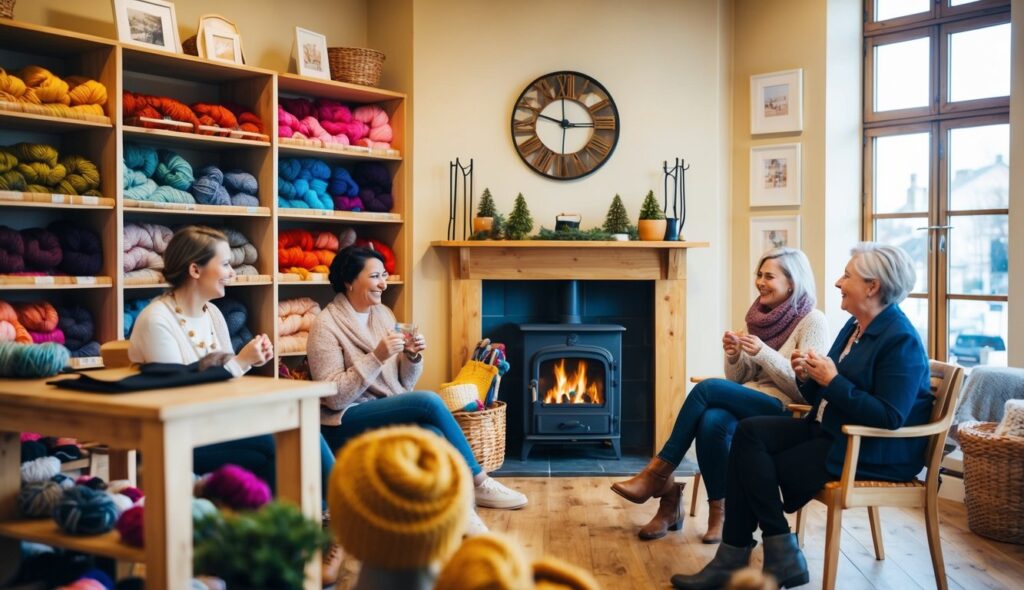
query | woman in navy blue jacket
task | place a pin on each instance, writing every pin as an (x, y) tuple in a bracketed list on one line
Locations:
[(876, 374)]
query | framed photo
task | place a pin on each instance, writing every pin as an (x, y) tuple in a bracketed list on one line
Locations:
[(776, 102), (226, 47), (311, 54), (772, 232), (147, 23), (775, 176)]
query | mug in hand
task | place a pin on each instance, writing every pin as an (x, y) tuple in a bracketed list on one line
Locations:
[(409, 331)]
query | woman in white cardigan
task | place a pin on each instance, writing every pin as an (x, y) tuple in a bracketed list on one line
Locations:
[(759, 381)]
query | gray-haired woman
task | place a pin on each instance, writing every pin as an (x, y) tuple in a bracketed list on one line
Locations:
[(759, 382), (876, 374)]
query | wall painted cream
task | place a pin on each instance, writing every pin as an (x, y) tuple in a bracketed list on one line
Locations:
[(665, 64), (1016, 294), (267, 26)]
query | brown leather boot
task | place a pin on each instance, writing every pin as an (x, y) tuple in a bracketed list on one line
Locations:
[(669, 517), (331, 558), (716, 518), (654, 481)]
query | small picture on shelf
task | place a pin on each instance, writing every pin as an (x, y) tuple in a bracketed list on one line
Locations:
[(311, 54), (221, 46), (149, 23)]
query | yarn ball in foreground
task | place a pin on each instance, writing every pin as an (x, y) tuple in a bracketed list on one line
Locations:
[(39, 499), (129, 525), (85, 511), (486, 561), (236, 487), (32, 361), (40, 469)]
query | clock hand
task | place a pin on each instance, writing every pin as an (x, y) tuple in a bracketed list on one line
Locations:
[(581, 124), (543, 116), (563, 139)]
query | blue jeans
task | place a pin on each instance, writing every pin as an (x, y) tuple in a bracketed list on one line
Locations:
[(421, 408), (710, 414), (257, 455)]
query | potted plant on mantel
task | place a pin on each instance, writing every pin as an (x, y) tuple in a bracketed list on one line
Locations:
[(652, 220), (520, 223), (483, 223), (617, 221)]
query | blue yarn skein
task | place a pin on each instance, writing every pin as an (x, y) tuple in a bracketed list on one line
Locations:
[(32, 360), (145, 169), (302, 183), (342, 184), (208, 187), (140, 158), (76, 323), (243, 187), (85, 511), (132, 309), (173, 171), (236, 316)]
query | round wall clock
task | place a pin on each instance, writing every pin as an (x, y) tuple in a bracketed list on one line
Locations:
[(565, 125)]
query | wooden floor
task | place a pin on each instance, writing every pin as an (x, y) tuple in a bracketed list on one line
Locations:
[(582, 521)]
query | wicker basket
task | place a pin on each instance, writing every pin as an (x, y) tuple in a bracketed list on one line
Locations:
[(355, 65), (993, 482), (485, 431), (190, 47), (7, 8)]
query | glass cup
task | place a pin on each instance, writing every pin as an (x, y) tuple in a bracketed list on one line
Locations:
[(409, 331)]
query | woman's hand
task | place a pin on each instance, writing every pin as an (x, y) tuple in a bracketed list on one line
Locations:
[(820, 368), (731, 344), (257, 352), (750, 344), (389, 346), (798, 361), (417, 344)]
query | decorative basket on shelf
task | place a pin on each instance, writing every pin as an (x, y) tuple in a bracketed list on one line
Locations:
[(189, 46), (485, 432), (355, 65), (7, 8), (993, 482)]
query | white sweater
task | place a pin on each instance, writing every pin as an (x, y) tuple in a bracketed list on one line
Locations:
[(769, 371), (158, 338)]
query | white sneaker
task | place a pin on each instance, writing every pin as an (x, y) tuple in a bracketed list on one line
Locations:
[(492, 494), (476, 525)]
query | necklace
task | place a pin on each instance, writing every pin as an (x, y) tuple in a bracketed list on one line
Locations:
[(856, 334), (202, 347)]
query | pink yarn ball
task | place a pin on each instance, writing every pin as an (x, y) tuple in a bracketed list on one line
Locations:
[(7, 331), (130, 526), (134, 494), (30, 436), (237, 487), (55, 335), (84, 584)]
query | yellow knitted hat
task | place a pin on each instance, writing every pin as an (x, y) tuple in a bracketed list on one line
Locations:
[(399, 497), (551, 573), (486, 562)]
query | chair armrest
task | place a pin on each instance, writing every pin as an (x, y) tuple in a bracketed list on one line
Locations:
[(799, 410), (905, 432)]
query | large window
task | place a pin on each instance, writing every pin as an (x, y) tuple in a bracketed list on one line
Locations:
[(936, 164)]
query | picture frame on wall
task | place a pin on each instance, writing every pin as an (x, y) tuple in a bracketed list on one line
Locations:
[(772, 232), (311, 54), (776, 102), (775, 175), (147, 23), (223, 46)]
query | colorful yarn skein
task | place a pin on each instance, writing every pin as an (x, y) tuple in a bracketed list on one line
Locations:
[(294, 319), (42, 250), (40, 319), (236, 487), (132, 309), (243, 188), (302, 184), (82, 252), (344, 191), (36, 89), (40, 470), (38, 499), (301, 249), (12, 251), (337, 119), (32, 360), (156, 107), (234, 187), (77, 324), (85, 511), (243, 254), (144, 245), (374, 182), (11, 329), (39, 168), (236, 315), (159, 176), (380, 134)]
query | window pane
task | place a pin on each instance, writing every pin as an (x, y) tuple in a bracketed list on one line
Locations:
[(886, 9), (960, 2), (979, 63), (977, 332), (904, 233), (901, 173), (917, 312), (901, 75), (979, 177), (978, 255)]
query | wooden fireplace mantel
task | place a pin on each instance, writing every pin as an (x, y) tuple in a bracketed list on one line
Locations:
[(662, 262)]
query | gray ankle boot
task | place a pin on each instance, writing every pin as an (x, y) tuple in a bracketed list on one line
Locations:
[(784, 560), (717, 572)]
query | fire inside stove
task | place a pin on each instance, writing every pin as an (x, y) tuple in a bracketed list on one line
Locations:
[(572, 381)]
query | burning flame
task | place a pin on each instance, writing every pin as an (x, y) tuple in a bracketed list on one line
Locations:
[(573, 389)]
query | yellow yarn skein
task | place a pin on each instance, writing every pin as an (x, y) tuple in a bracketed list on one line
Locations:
[(86, 92), (399, 497), (551, 573), (34, 152), (82, 176), (7, 161), (12, 181), (12, 88), (48, 87), (42, 174), (486, 562), (37, 188)]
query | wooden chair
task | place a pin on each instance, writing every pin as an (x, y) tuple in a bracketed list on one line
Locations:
[(848, 493)]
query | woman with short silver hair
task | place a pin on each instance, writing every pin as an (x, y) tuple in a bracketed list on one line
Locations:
[(759, 381), (876, 374)]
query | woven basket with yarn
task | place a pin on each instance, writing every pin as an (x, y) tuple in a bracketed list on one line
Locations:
[(189, 46), (993, 482), (485, 432), (355, 65), (457, 396), (7, 8)]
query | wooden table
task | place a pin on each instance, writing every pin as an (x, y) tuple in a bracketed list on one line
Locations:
[(164, 425)]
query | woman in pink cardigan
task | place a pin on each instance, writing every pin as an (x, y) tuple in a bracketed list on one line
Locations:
[(353, 343)]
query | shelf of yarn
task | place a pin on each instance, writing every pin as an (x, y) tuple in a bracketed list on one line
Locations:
[(187, 138), (295, 147), (30, 121), (132, 206), (20, 282), (329, 215), (319, 278), (47, 532), (53, 201)]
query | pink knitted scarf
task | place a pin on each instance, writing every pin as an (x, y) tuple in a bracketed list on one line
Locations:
[(773, 326)]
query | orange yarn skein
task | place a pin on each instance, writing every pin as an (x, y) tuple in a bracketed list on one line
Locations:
[(38, 317), (48, 87), (216, 116), (7, 314)]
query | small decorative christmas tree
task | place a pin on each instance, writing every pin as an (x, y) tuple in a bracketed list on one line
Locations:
[(650, 208), (486, 207), (519, 223), (617, 220)]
